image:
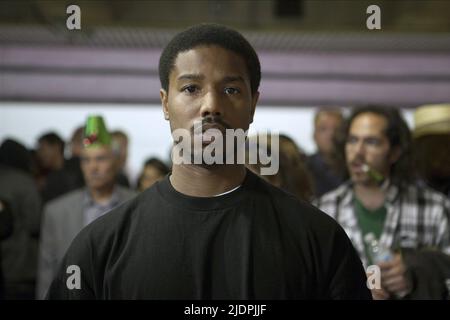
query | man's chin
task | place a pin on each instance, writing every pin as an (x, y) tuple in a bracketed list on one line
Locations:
[(366, 181), (359, 177), (201, 158), (96, 185)]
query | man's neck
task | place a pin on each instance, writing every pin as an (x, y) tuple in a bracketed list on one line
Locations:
[(371, 196), (57, 164), (102, 195), (327, 158), (206, 181)]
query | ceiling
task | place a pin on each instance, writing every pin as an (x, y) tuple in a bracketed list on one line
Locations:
[(428, 16), (312, 52)]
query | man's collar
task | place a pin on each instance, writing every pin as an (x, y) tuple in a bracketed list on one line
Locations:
[(391, 192), (89, 201)]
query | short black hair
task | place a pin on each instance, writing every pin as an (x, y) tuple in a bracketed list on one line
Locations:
[(210, 34), (16, 155), (53, 139)]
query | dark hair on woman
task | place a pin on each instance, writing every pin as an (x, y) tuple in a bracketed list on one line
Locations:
[(158, 164), (294, 173), (292, 176), (207, 35), (398, 134)]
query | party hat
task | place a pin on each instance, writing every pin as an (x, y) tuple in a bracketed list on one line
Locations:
[(95, 132)]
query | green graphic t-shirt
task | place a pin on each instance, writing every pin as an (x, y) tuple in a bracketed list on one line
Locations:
[(370, 221)]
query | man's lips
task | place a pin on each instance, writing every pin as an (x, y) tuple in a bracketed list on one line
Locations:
[(217, 126), (208, 132), (96, 177), (357, 166)]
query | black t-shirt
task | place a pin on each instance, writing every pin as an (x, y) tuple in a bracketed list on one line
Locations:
[(256, 242)]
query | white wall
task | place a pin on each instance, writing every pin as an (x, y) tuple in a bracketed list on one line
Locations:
[(145, 125)]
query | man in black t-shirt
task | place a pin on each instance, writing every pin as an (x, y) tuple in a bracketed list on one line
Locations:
[(211, 231)]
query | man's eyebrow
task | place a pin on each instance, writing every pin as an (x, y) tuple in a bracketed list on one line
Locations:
[(370, 136), (233, 79), (191, 76)]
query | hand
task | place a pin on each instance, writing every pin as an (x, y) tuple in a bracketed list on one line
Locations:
[(393, 278), (380, 294)]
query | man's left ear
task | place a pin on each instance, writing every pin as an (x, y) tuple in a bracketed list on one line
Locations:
[(395, 155), (254, 102)]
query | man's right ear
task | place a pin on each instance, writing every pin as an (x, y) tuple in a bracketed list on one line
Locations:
[(164, 101)]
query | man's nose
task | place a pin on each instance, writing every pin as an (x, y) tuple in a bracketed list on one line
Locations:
[(93, 166), (360, 148), (211, 105), (329, 134)]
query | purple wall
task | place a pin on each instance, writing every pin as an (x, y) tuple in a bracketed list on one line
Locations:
[(34, 73)]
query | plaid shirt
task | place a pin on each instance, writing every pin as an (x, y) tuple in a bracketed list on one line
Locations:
[(417, 217)]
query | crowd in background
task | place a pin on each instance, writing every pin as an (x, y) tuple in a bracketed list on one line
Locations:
[(36, 184)]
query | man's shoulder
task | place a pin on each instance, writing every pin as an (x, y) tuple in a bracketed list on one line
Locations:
[(426, 196), (8, 172), (121, 216), (17, 180), (69, 198), (126, 193), (298, 212), (430, 193), (302, 219), (266, 190), (331, 196), (64, 205)]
